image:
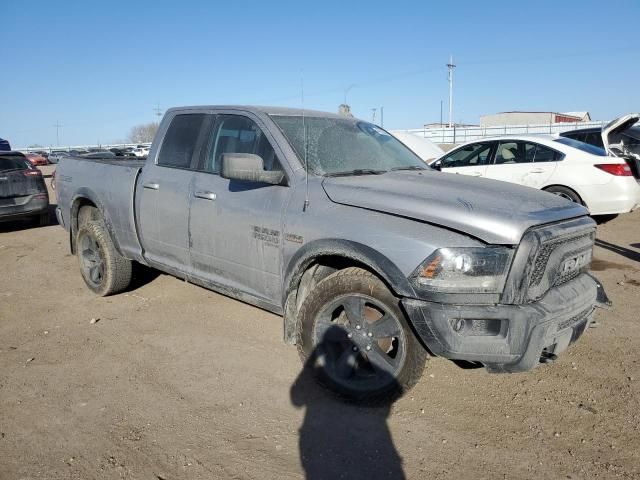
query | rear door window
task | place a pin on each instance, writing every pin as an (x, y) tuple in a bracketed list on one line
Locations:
[(539, 153), (181, 140), (468, 156), (512, 152)]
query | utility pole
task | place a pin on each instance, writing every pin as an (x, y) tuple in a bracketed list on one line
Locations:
[(346, 91), (373, 115), (440, 113), (451, 66), (58, 127), (382, 117), (158, 110)]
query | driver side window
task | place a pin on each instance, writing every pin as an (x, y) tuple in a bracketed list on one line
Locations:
[(238, 134), (469, 156)]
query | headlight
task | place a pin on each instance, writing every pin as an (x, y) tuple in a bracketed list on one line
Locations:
[(465, 270)]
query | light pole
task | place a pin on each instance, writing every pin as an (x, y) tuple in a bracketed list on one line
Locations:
[(451, 66), (346, 91), (58, 127)]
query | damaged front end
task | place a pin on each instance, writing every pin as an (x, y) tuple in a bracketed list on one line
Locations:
[(547, 303)]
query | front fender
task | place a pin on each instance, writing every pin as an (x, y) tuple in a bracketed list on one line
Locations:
[(348, 249)]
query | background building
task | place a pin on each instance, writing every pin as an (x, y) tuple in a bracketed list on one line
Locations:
[(532, 118)]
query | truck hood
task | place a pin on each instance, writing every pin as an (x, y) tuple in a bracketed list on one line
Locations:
[(618, 125), (493, 211)]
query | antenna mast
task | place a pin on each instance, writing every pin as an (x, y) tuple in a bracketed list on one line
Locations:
[(451, 66), (304, 147)]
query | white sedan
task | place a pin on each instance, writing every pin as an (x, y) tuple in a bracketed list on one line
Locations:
[(574, 170), (141, 151)]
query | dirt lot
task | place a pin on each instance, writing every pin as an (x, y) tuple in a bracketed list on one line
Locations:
[(176, 382)]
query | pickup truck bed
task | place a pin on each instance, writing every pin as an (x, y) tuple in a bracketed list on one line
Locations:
[(116, 187)]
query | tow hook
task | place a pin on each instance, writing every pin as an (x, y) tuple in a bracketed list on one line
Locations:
[(547, 357), (602, 300)]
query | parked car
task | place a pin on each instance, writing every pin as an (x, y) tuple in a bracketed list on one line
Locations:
[(4, 145), (23, 192), (140, 151), (119, 152), (574, 170), (423, 147), (56, 155), (370, 256), (620, 138), (43, 153), (98, 154), (36, 159)]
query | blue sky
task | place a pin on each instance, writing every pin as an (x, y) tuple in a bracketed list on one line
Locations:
[(100, 67)]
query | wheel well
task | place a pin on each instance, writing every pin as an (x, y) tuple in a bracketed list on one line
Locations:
[(312, 273), (78, 206), (568, 188), (319, 269)]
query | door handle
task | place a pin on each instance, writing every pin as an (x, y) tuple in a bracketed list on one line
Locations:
[(205, 195), (537, 170), (475, 174), (152, 186)]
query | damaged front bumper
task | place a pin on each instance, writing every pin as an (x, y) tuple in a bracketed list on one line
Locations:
[(509, 338)]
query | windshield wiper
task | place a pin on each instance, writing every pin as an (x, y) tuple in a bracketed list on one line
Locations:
[(410, 167), (357, 171)]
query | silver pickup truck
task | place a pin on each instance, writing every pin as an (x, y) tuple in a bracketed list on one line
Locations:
[(375, 261)]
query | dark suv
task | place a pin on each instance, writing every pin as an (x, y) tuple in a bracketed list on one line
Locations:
[(593, 136), (620, 138), (23, 192)]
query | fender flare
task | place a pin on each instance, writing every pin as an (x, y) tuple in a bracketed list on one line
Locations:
[(306, 255), (87, 194), (377, 262)]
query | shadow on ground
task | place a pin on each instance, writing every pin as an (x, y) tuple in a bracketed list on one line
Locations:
[(27, 223), (340, 440), (623, 251), (141, 275)]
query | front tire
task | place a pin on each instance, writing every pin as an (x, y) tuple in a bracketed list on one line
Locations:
[(103, 269), (353, 331)]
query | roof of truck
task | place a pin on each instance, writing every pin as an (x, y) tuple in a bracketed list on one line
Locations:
[(263, 109)]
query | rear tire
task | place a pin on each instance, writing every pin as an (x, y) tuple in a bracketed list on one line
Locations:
[(103, 269), (356, 339), (565, 192)]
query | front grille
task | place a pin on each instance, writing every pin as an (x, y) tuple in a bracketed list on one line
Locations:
[(548, 256), (541, 261), (555, 254)]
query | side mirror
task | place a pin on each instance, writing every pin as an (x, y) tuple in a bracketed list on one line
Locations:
[(249, 168), (437, 165)]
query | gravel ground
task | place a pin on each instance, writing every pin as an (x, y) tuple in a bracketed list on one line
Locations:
[(171, 381)]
